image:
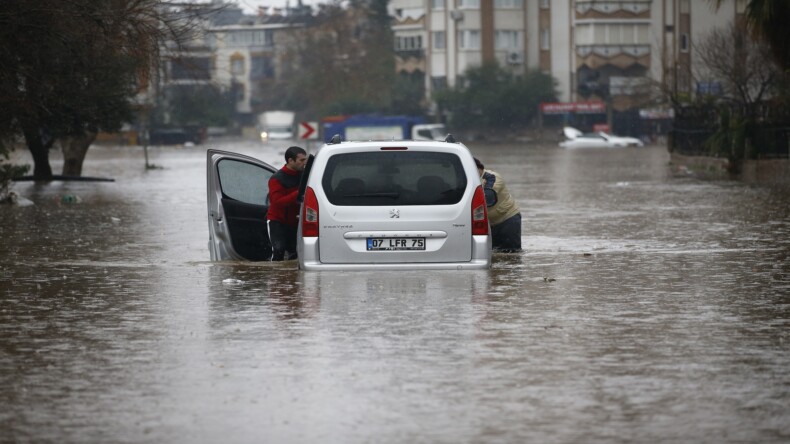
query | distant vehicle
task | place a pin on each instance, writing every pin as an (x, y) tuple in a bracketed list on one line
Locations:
[(376, 127), (365, 206), (577, 139), (187, 135), (276, 125)]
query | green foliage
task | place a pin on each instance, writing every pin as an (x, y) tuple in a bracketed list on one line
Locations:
[(199, 105), (407, 94), (70, 67), (493, 97), (346, 61), (731, 137), (8, 172)]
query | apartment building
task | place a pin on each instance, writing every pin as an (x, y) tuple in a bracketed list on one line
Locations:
[(248, 55), (237, 52), (611, 50)]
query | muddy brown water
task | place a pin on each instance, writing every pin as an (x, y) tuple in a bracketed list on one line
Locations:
[(646, 307)]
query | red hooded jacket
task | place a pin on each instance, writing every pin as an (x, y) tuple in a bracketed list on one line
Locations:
[(283, 188)]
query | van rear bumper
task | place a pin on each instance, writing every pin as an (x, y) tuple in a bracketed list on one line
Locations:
[(480, 264), (481, 259)]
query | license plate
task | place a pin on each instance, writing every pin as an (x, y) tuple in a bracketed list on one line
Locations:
[(396, 243)]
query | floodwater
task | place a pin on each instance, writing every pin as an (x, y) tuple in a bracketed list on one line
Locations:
[(646, 307)]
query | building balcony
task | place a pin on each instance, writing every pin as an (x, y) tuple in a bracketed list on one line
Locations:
[(410, 53), (592, 9), (621, 56)]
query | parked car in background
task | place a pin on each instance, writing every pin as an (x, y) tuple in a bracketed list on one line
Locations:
[(183, 135), (365, 206), (600, 139)]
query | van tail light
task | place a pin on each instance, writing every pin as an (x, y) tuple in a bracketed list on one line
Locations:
[(479, 213), (310, 214)]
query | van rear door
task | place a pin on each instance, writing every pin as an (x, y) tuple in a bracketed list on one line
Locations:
[(395, 205)]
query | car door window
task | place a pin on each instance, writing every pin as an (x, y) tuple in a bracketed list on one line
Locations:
[(244, 181)]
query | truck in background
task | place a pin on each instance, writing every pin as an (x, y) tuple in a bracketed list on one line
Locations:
[(276, 125), (377, 127)]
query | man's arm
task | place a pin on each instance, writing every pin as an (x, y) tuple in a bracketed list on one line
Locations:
[(488, 189), (280, 196)]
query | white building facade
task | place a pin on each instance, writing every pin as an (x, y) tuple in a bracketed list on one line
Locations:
[(246, 56), (592, 48)]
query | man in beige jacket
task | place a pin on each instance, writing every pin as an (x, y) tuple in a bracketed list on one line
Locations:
[(503, 212)]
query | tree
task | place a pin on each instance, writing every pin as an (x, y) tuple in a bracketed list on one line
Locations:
[(408, 94), (768, 20), (70, 69), (344, 60), (743, 66), (199, 105), (491, 97), (749, 78)]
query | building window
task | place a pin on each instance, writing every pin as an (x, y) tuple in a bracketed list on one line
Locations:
[(190, 68), (408, 43), (237, 65), (507, 40), (469, 39), (684, 42), (261, 67), (439, 40), (437, 4), (545, 39), (544, 4), (469, 4), (508, 4)]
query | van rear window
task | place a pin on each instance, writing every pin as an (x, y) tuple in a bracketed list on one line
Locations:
[(386, 178)]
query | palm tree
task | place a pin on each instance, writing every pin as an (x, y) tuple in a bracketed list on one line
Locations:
[(768, 19)]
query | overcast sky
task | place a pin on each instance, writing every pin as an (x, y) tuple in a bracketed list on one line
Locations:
[(251, 6)]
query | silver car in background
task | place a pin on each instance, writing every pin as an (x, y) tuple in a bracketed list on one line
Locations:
[(393, 205)]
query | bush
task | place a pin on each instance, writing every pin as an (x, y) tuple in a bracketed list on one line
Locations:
[(492, 97)]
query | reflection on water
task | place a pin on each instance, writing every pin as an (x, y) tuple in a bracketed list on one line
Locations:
[(644, 308)]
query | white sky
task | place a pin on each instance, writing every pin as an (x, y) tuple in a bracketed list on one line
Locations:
[(251, 6)]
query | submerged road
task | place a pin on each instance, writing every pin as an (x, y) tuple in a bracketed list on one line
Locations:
[(646, 307)]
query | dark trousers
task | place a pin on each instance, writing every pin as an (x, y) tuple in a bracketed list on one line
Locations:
[(506, 236), (283, 239)]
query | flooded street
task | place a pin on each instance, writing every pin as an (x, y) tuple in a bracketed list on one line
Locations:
[(646, 307)]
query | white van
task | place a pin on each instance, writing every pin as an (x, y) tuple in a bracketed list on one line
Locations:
[(365, 206), (393, 205)]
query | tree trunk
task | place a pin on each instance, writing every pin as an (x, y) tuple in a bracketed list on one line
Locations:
[(39, 148), (74, 149)]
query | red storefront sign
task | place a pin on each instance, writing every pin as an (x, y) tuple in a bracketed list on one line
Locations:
[(573, 107)]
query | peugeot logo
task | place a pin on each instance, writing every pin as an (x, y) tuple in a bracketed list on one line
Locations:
[(394, 213)]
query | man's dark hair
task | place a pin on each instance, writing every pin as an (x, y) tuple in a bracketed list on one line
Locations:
[(479, 164), (292, 152)]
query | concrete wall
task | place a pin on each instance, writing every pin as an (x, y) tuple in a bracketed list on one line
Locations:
[(763, 171)]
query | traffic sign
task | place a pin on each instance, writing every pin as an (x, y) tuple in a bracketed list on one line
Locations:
[(308, 130)]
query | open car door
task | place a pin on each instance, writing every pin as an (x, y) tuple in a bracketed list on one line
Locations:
[(238, 200)]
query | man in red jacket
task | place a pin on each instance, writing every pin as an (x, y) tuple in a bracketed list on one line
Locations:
[(283, 208)]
